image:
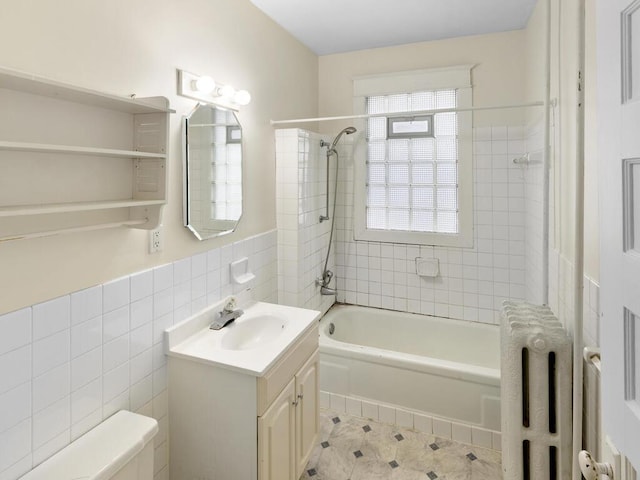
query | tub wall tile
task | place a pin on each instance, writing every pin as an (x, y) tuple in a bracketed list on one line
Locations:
[(302, 240), (511, 226)]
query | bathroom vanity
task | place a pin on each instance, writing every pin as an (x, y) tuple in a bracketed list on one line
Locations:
[(243, 400)]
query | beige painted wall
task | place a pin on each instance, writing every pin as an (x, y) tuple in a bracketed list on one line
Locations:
[(498, 77), (135, 46)]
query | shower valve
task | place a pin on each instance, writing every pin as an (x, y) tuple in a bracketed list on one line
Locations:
[(325, 279)]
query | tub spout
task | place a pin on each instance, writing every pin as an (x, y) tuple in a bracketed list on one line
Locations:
[(323, 283), (328, 291)]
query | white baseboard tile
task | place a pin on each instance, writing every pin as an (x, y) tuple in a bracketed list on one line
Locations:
[(481, 437), (461, 433), (387, 414), (325, 400), (496, 440), (354, 407), (370, 410), (338, 403), (404, 418), (424, 423), (440, 427)]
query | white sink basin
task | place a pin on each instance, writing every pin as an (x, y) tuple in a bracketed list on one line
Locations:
[(251, 344), (253, 332)]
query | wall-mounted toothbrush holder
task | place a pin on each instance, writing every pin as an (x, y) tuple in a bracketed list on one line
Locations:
[(427, 267), (239, 271)]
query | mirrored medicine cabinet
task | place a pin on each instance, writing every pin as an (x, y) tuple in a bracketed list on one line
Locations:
[(212, 171)]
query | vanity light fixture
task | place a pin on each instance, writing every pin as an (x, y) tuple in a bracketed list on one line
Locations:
[(206, 89)]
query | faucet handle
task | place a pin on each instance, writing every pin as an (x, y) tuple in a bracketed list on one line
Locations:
[(231, 304)]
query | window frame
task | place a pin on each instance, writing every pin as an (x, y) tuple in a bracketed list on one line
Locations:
[(458, 78), (410, 119)]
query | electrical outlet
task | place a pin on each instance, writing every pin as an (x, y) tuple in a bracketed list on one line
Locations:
[(155, 240)]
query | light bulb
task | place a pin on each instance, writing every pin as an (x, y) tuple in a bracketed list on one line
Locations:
[(205, 85), (226, 91), (242, 97)]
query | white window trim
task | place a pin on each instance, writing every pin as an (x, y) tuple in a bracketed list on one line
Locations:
[(458, 77)]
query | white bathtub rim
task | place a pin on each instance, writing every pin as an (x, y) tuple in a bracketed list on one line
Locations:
[(407, 361), (348, 306)]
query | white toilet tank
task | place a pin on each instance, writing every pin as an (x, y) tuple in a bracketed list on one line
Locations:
[(120, 448)]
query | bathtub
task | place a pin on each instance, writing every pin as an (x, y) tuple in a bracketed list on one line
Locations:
[(448, 369)]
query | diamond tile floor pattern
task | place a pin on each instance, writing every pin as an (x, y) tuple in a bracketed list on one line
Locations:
[(353, 448)]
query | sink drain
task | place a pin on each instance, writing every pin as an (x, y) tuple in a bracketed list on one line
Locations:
[(332, 328)]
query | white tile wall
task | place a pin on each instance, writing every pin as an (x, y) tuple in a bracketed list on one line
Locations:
[(474, 281), (301, 199), (68, 363), (533, 175)]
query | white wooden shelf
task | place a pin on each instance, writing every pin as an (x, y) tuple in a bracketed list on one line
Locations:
[(73, 150), (25, 82), (42, 209), (46, 191)]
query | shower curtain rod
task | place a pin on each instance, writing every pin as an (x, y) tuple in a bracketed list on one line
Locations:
[(405, 114)]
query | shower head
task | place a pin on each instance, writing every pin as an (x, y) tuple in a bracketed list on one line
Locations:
[(348, 131)]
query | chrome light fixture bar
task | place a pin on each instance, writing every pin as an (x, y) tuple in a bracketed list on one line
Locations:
[(205, 89)]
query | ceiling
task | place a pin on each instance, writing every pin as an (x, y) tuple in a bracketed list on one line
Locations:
[(337, 26)]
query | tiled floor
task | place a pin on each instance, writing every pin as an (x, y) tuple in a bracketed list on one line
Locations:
[(353, 448)]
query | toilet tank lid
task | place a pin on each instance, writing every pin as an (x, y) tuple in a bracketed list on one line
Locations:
[(101, 452)]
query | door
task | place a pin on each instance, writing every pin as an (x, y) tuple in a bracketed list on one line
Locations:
[(307, 412), (276, 438), (618, 84)]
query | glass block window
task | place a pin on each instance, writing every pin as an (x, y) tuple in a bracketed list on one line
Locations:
[(412, 179), (226, 171)]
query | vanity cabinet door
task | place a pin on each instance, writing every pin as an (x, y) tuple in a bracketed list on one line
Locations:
[(307, 412), (276, 437)]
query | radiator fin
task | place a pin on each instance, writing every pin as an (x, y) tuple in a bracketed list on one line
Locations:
[(536, 394)]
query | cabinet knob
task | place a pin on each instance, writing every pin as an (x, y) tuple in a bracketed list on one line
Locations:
[(300, 396)]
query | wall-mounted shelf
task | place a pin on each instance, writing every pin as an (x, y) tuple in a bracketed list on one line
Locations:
[(74, 159), (72, 150), (20, 210)]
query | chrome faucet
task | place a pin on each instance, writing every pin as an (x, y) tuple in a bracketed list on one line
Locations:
[(323, 283), (228, 314)]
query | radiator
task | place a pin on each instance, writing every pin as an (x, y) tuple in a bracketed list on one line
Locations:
[(536, 394)]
